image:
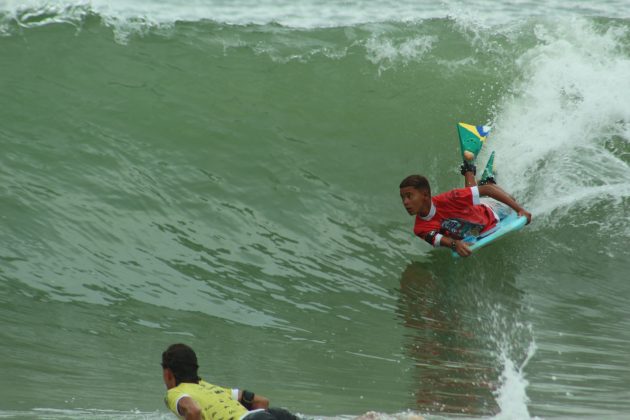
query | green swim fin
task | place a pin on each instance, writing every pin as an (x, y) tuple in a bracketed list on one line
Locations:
[(488, 175), (471, 139)]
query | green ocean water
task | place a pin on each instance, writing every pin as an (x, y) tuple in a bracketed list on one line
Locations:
[(235, 187)]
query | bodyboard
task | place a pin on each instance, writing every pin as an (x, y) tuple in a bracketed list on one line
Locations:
[(510, 223)]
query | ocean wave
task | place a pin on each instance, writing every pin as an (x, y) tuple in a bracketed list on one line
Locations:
[(299, 14)]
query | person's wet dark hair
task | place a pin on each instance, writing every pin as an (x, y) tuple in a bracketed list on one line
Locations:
[(416, 181), (182, 361)]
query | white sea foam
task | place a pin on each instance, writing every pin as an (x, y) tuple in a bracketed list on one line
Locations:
[(321, 13), (386, 52), (555, 132), (511, 396), (513, 347)]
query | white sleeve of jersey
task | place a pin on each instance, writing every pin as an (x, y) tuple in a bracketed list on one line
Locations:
[(475, 195)]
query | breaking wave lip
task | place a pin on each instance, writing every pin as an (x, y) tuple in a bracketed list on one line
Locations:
[(297, 14), (576, 121)]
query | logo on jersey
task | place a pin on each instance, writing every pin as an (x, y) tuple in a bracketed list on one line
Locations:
[(460, 229)]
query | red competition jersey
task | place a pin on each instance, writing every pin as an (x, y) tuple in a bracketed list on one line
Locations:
[(457, 214)]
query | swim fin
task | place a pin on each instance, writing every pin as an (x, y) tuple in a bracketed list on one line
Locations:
[(471, 139), (488, 176)]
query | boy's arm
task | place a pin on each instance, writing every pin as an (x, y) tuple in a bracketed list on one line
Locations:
[(252, 401), (435, 239), (498, 194), (456, 245), (188, 408)]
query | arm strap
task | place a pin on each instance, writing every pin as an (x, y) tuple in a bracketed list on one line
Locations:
[(247, 399), (430, 237)]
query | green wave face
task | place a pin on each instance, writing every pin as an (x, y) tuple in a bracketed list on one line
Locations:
[(235, 186)]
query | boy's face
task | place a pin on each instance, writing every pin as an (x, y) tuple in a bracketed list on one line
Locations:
[(415, 201)]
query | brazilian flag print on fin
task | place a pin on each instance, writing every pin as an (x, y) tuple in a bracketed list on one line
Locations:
[(471, 137)]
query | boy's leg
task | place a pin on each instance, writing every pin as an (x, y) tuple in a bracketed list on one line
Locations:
[(469, 179), (469, 171), (500, 209)]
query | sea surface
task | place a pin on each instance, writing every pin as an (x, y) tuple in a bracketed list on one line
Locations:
[(225, 174)]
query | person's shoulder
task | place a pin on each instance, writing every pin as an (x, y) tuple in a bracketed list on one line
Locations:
[(459, 192), (420, 230), (173, 395), (446, 195), (179, 389), (422, 226)]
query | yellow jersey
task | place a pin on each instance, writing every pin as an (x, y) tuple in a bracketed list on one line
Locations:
[(216, 403)]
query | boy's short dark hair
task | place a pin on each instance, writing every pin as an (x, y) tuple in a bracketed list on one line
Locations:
[(416, 181), (182, 361)]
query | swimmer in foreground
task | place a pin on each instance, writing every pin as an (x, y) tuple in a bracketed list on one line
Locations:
[(191, 398)]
